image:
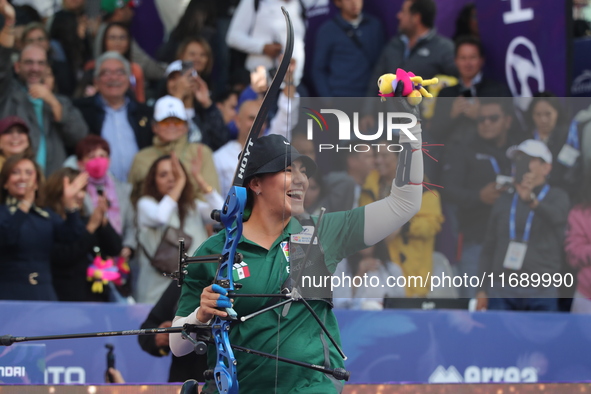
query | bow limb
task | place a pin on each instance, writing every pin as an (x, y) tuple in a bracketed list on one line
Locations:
[(225, 372)]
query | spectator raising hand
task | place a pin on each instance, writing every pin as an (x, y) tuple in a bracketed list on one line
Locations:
[(29, 233), (7, 32), (69, 261), (71, 190), (98, 217), (201, 91)]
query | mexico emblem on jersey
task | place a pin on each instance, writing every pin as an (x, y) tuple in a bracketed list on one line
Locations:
[(285, 249), (240, 271)]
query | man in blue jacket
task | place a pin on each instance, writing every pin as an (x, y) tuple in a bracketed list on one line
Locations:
[(417, 47), (347, 47)]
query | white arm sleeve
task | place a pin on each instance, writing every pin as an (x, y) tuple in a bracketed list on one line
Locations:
[(154, 214), (178, 345), (385, 216)]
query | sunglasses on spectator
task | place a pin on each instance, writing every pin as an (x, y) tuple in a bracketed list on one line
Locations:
[(492, 118), (172, 122)]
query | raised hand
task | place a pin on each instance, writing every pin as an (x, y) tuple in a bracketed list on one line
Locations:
[(7, 33), (201, 92), (98, 217), (7, 10), (180, 179), (177, 170), (41, 91), (473, 108), (526, 187), (71, 189), (458, 107), (259, 81)]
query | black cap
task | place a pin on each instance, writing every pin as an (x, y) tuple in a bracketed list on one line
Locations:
[(271, 154)]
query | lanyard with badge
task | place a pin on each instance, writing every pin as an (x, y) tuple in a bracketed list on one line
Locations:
[(570, 152), (501, 179), (516, 250)]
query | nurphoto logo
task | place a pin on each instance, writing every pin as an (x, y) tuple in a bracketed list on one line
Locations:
[(392, 123)]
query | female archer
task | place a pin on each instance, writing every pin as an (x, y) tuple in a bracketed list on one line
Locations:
[(276, 180)]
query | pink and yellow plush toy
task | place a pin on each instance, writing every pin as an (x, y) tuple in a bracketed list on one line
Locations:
[(101, 272), (404, 84)]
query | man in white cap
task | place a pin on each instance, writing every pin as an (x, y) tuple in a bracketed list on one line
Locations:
[(170, 129), (523, 247)]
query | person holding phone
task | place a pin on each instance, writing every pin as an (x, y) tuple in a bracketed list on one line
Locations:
[(206, 123), (476, 173), (525, 236)]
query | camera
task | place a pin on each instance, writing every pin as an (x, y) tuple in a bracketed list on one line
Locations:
[(188, 66)]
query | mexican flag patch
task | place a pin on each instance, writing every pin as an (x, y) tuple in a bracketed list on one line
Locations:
[(240, 271)]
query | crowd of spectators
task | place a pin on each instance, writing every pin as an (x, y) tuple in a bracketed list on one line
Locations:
[(133, 145)]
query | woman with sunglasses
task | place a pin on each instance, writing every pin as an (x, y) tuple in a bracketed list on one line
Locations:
[(273, 244)]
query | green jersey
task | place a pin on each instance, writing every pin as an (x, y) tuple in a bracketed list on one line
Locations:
[(297, 335)]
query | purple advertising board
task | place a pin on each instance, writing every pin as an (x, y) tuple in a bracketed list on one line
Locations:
[(581, 85), (22, 363), (393, 345), (525, 42)]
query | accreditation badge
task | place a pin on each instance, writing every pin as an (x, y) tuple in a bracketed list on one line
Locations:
[(515, 255), (568, 155), (304, 237), (504, 180)]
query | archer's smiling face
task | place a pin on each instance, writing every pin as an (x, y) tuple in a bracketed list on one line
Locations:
[(283, 193)]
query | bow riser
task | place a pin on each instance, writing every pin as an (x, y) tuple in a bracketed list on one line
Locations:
[(225, 374)]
